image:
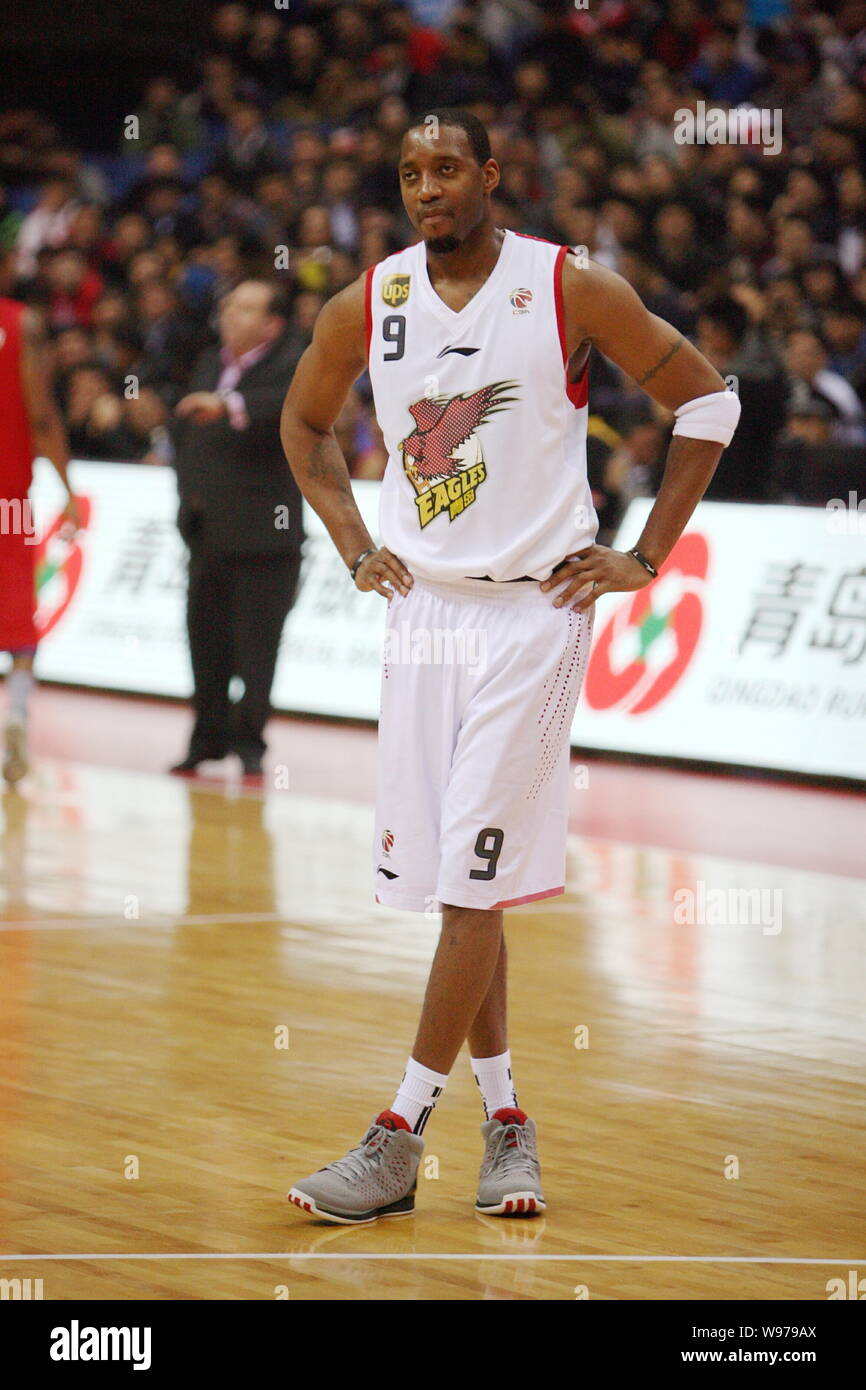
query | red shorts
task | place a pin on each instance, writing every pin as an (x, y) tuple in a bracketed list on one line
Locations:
[(17, 592)]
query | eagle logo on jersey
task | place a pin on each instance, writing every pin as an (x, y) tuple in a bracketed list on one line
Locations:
[(442, 456)]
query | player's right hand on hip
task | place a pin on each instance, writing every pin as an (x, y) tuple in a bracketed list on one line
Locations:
[(384, 572)]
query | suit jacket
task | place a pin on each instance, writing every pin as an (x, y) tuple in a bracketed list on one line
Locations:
[(232, 481)]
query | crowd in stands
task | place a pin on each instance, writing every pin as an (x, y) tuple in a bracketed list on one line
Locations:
[(279, 158)]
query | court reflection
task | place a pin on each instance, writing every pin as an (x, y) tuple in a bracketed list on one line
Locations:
[(230, 855)]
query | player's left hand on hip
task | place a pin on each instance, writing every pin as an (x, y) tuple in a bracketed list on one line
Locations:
[(596, 571)]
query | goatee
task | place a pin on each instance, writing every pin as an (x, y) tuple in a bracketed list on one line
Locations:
[(441, 245)]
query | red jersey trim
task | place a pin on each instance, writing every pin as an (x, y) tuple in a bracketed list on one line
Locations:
[(530, 898), (577, 391), (368, 308)]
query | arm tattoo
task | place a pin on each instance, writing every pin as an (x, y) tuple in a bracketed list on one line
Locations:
[(662, 362)]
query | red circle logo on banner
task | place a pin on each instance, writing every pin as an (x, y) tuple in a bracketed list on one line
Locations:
[(648, 642)]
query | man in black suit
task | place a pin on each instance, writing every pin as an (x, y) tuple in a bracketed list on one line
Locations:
[(240, 515)]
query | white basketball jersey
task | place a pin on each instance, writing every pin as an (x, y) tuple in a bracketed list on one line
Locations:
[(486, 440)]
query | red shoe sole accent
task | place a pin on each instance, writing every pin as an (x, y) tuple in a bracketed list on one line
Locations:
[(308, 1205), (515, 1206)]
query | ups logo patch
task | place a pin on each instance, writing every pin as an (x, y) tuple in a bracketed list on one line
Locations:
[(395, 289)]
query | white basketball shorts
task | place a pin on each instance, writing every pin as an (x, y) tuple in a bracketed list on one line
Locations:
[(479, 686)]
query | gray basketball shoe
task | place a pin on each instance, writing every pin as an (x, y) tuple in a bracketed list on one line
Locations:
[(509, 1183), (376, 1178)]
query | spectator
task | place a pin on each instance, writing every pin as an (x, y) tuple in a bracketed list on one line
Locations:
[(302, 74), (794, 246), (720, 74), (559, 48), (130, 235), (678, 39), (265, 57), (229, 30), (845, 331), (822, 281), (161, 204), (679, 252), (73, 289), (748, 232), (340, 184), (784, 307), (808, 365), (851, 201), (808, 197), (46, 227), (162, 119), (220, 87), (86, 233), (805, 456), (169, 341), (738, 349), (795, 87), (312, 239), (810, 421), (247, 153), (94, 414)]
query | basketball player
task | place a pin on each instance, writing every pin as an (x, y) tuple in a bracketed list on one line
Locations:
[(476, 341), (30, 425)]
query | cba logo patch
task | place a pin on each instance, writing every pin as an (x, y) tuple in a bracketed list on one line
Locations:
[(387, 840), (520, 301), (442, 456), (395, 289), (645, 647)]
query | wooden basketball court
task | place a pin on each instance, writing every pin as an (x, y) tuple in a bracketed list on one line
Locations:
[(201, 1003)]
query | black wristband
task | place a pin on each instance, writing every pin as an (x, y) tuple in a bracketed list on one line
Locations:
[(642, 560), (362, 556)]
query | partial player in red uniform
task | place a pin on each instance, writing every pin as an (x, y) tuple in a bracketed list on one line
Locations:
[(30, 426)]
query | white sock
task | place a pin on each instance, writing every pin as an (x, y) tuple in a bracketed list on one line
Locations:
[(493, 1075), (417, 1094), (19, 684)]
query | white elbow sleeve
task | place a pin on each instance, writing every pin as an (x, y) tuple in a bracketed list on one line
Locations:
[(709, 417)]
